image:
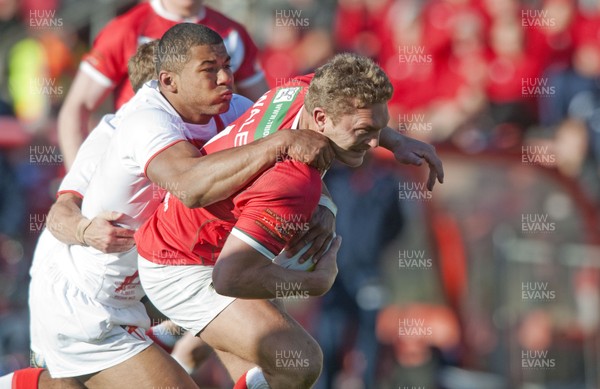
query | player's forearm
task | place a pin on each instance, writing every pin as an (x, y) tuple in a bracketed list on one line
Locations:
[(324, 190), (243, 272), (389, 139), (217, 176), (264, 282), (199, 180), (64, 217)]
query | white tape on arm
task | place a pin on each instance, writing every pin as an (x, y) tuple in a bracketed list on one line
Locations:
[(327, 202)]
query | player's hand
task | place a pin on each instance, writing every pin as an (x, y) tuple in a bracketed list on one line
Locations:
[(412, 152), (320, 233), (104, 236), (309, 147), (326, 270)]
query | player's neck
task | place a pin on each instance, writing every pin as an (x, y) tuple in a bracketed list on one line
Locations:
[(192, 117), (306, 122), (183, 11)]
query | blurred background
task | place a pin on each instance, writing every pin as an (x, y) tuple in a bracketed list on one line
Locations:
[(490, 281)]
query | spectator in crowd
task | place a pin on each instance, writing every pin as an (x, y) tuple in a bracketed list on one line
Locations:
[(22, 70)]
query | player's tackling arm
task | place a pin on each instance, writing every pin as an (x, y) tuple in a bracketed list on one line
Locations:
[(64, 216), (68, 225), (85, 95), (203, 180), (243, 272)]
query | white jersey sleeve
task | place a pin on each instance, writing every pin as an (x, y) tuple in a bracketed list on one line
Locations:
[(87, 159), (145, 133)]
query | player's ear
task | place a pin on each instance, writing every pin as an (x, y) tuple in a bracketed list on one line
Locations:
[(167, 81), (320, 118)]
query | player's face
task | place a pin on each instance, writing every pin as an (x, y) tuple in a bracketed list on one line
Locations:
[(206, 81), (353, 134)]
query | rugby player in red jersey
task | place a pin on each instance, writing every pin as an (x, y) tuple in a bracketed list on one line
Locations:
[(211, 270)]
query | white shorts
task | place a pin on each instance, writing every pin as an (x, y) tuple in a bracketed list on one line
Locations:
[(183, 293), (75, 334)]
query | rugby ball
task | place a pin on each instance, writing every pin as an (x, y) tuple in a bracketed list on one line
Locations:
[(293, 262)]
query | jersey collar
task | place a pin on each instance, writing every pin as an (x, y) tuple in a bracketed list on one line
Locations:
[(296, 121)]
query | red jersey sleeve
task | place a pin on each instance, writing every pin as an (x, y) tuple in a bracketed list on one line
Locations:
[(276, 206), (112, 49)]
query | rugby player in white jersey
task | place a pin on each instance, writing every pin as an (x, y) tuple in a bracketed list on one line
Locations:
[(104, 236), (85, 308)]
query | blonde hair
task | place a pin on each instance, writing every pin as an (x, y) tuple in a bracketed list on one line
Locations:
[(348, 82), (142, 66)]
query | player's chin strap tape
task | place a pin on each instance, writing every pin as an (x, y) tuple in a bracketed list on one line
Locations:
[(327, 202)]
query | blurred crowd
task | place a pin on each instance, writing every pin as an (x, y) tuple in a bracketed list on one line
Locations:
[(518, 79)]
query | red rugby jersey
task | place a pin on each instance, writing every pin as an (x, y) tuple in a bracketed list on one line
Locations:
[(265, 214)]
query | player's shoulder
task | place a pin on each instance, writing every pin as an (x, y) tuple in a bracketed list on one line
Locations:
[(148, 98), (146, 121), (146, 114), (303, 80)]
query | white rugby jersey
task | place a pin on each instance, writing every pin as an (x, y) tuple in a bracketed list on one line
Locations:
[(144, 127), (88, 156)]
